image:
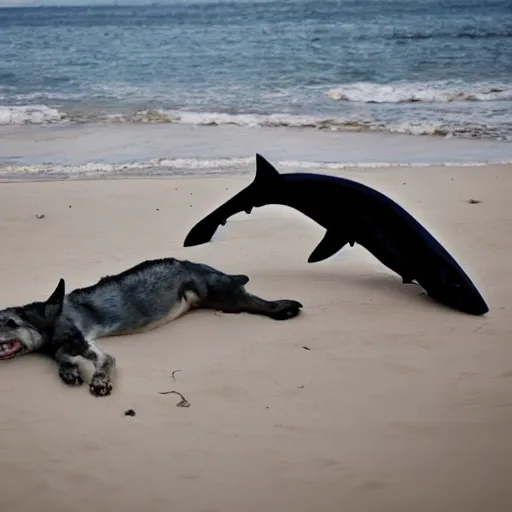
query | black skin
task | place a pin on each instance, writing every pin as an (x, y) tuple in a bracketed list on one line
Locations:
[(354, 213)]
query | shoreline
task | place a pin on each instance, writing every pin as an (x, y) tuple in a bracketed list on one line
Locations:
[(185, 150), (348, 172), (338, 114)]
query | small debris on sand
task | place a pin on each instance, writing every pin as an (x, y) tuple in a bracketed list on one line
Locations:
[(129, 412), (172, 374), (305, 347), (39, 215), (183, 403), (474, 201)]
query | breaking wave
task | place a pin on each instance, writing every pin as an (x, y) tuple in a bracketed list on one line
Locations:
[(30, 114), (161, 167), (497, 127), (246, 120), (435, 92), (155, 166), (500, 130)]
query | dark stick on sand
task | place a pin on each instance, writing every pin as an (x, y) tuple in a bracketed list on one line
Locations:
[(184, 402)]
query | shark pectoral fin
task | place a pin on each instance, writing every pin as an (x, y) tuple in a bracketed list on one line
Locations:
[(331, 243)]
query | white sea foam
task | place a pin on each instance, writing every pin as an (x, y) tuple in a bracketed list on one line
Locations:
[(154, 166), (407, 92), (29, 114), (217, 119), (190, 166), (469, 124), (450, 127)]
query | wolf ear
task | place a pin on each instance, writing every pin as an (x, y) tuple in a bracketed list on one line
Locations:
[(53, 306)]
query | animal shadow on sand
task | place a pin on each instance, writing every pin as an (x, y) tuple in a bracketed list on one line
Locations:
[(377, 284)]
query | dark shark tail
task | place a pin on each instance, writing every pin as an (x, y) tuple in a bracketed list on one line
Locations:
[(245, 200)]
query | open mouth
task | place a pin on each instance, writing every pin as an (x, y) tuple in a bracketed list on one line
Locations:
[(10, 348)]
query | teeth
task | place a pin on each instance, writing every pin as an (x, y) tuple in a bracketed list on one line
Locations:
[(5, 348)]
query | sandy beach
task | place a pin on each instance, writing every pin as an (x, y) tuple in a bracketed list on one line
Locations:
[(123, 123), (399, 404)]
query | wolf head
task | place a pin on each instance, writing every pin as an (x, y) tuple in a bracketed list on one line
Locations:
[(27, 328)]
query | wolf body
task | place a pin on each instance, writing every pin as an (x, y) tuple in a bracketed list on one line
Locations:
[(143, 297)]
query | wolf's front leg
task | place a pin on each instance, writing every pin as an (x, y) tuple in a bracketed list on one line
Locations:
[(104, 364), (69, 372)]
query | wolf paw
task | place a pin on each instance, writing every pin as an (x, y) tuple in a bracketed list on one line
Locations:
[(70, 376), (285, 309), (100, 386)]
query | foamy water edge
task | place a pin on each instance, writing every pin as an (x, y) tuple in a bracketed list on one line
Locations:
[(43, 115), (162, 167), (418, 92), (400, 101)]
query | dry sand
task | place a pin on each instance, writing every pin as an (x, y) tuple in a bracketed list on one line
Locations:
[(399, 405)]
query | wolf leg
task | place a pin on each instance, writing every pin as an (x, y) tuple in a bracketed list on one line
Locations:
[(104, 365), (69, 372), (74, 346), (245, 302), (232, 297)]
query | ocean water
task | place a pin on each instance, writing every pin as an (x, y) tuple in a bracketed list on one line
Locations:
[(426, 67), (432, 67)]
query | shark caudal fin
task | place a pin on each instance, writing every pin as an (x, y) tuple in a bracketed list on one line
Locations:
[(251, 196)]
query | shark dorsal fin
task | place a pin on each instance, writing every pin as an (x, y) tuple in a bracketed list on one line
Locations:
[(265, 171)]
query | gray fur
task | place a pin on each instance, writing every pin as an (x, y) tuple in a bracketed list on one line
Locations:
[(143, 297)]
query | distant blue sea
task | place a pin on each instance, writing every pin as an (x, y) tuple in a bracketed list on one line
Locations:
[(441, 67)]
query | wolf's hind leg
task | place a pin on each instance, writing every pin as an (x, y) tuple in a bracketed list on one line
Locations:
[(234, 298), (248, 303)]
